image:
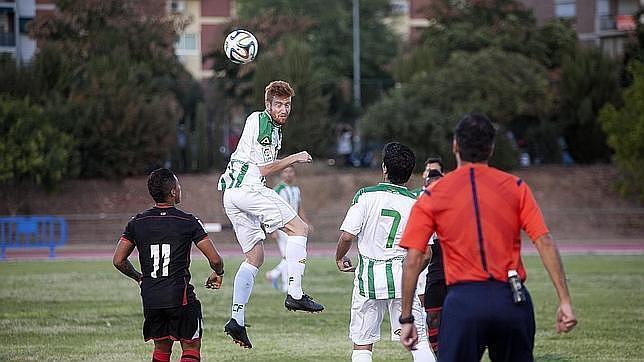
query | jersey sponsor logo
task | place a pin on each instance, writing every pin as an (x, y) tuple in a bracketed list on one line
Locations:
[(268, 155)]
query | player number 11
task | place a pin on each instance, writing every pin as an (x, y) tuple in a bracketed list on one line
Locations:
[(165, 255)]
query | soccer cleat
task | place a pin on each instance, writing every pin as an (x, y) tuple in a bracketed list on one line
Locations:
[(306, 304), (237, 333)]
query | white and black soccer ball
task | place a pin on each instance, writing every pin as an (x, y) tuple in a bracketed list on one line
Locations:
[(241, 46)]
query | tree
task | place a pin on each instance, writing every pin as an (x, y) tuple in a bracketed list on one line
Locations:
[(32, 150), (625, 129), (422, 113), (589, 80), (118, 90), (308, 126)]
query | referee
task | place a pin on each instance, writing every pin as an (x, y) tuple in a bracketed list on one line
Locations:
[(478, 213)]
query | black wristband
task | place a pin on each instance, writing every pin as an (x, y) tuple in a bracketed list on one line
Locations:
[(406, 320), (219, 275)]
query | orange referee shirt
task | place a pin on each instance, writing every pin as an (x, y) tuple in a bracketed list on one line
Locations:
[(478, 213)]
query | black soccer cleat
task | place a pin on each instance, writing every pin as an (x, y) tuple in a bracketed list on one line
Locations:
[(237, 333), (306, 304)]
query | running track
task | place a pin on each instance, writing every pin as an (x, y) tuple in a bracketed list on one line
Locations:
[(632, 247)]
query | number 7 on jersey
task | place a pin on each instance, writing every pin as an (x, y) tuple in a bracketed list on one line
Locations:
[(394, 226)]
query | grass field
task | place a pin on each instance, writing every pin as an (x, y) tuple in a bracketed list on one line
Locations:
[(86, 310)]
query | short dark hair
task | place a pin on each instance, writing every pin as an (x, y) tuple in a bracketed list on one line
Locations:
[(474, 136), (399, 161), (160, 182), (437, 160)]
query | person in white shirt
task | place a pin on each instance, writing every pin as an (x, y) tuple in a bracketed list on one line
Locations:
[(377, 218), (255, 209), (290, 192)]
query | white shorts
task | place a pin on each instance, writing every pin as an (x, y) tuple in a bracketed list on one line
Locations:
[(250, 208), (367, 315)]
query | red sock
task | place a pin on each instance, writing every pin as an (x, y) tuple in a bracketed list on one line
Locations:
[(158, 356), (190, 356)]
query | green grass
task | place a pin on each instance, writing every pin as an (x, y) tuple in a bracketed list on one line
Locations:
[(86, 310)]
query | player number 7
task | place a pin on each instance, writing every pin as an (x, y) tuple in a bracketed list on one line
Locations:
[(394, 226)]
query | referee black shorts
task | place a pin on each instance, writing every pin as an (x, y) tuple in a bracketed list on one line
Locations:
[(182, 323), (477, 315)]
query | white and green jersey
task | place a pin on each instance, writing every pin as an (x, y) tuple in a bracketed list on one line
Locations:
[(377, 217), (290, 193), (259, 144)]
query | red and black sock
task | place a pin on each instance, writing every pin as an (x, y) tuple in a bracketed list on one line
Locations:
[(433, 315), (158, 356), (190, 356)]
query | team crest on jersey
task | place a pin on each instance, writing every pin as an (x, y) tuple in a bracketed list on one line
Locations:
[(265, 141)]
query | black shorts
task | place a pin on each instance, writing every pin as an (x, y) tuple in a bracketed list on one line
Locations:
[(435, 291), (182, 323)]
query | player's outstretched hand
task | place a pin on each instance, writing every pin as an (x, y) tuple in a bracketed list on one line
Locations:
[(566, 319), (345, 265), (214, 281), (408, 336), (303, 157)]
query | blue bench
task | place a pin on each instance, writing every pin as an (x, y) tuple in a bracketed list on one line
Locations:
[(24, 232)]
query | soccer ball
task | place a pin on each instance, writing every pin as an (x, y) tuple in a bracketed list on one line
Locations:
[(241, 46)]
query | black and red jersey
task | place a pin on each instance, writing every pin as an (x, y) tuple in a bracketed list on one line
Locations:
[(164, 237)]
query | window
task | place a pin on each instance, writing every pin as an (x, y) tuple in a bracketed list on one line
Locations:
[(565, 8), (187, 42)]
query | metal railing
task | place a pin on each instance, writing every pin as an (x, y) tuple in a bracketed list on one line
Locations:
[(23, 232)]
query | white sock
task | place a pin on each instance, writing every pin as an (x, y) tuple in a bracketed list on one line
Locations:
[(423, 352), (296, 259), (281, 239), (283, 270), (242, 287), (361, 355)]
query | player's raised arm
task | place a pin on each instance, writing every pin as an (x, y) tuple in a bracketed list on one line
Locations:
[(341, 259), (279, 165), (121, 261), (216, 263)]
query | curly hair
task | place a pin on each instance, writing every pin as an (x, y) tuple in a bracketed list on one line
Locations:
[(399, 161), (278, 88), (160, 182)]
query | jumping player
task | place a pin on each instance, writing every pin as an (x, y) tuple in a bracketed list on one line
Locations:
[(164, 235), (254, 209)]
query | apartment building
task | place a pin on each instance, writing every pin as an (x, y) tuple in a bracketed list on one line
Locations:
[(14, 17), (604, 23), (207, 20)]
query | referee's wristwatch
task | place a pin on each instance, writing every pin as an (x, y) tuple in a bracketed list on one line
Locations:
[(406, 320), (219, 275)]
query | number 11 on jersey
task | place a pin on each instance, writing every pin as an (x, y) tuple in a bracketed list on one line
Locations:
[(165, 255)]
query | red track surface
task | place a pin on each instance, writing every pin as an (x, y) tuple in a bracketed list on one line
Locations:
[(632, 247)]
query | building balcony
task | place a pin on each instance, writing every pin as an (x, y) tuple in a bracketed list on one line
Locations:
[(620, 23), (7, 39)]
